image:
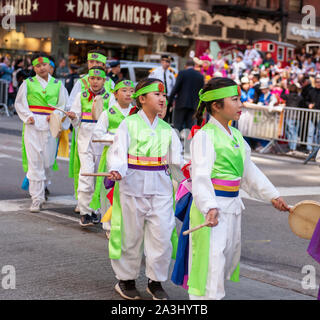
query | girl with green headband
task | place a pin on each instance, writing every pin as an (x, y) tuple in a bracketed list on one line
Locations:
[(221, 164), (142, 212), (33, 104), (105, 129), (87, 154)]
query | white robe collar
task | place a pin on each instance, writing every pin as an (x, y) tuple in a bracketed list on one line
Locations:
[(219, 125), (145, 118)]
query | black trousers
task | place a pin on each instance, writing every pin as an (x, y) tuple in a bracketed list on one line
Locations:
[(183, 118)]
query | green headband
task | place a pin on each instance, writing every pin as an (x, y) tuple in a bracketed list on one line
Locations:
[(39, 60), (123, 84), (97, 73), (153, 87), (97, 57)]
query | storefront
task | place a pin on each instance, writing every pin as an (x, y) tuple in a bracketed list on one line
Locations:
[(302, 37), (125, 29)]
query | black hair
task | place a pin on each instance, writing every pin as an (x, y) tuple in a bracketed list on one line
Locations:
[(99, 51), (144, 83), (214, 83), (98, 67)]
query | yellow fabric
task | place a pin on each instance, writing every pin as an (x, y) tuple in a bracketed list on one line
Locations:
[(107, 216), (63, 150)]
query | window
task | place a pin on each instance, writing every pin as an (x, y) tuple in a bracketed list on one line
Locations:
[(257, 46), (270, 47), (290, 52), (280, 53), (141, 73)]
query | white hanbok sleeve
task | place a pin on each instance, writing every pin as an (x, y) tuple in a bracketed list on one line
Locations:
[(21, 103), (202, 158), (175, 155), (254, 181), (100, 131), (118, 152), (76, 108)]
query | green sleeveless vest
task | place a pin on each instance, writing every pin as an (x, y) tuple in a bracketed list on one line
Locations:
[(145, 142), (37, 96), (86, 105), (229, 164)]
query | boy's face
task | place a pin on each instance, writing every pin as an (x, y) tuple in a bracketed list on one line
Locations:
[(96, 83), (42, 69), (95, 63)]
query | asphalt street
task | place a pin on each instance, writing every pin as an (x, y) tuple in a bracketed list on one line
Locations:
[(55, 259)]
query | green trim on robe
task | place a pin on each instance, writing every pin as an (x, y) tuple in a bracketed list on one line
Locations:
[(117, 227), (200, 255)]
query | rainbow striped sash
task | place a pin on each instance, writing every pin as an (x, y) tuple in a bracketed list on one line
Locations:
[(226, 188), (87, 117), (147, 163), (41, 110)]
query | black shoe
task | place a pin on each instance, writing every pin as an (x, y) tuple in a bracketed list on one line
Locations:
[(86, 220), (127, 290), (46, 193), (96, 218), (155, 289)]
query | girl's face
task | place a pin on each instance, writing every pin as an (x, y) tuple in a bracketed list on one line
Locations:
[(42, 69), (96, 83), (231, 110), (123, 96), (153, 102)]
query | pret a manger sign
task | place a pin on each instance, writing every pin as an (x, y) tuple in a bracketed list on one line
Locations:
[(115, 13)]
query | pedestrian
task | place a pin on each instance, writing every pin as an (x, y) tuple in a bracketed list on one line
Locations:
[(266, 98), (313, 103), (238, 67), (39, 148), (72, 77), (185, 93), (142, 215), (89, 153), (251, 56), (167, 75), (5, 69), (105, 129), (62, 69), (115, 71), (220, 160), (96, 58), (247, 93), (292, 100)]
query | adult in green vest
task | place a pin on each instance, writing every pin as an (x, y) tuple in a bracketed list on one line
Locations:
[(105, 130), (142, 212), (95, 58), (39, 148), (87, 154), (221, 164)]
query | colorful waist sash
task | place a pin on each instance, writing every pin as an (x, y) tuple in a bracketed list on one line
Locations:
[(226, 188), (41, 110), (147, 163), (87, 117)]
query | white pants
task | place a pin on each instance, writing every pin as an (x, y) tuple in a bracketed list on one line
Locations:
[(89, 162), (41, 150), (148, 224), (224, 255)]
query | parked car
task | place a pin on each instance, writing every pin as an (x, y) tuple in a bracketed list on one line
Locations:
[(137, 71)]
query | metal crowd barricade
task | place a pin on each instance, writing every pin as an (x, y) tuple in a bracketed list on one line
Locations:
[(275, 123), (4, 90)]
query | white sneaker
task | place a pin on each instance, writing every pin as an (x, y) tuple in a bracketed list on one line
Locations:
[(36, 206), (77, 209)]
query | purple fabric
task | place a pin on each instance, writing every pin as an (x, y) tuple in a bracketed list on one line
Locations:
[(314, 245), (108, 183), (147, 168)]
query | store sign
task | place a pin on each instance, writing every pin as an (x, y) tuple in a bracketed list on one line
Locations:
[(296, 32), (115, 13)]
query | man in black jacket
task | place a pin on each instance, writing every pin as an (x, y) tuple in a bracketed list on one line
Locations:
[(186, 92), (313, 102)]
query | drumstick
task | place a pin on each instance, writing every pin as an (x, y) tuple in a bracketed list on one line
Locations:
[(102, 141), (58, 109), (98, 174), (196, 228)]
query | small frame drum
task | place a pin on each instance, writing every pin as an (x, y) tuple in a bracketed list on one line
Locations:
[(55, 125), (97, 107)]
